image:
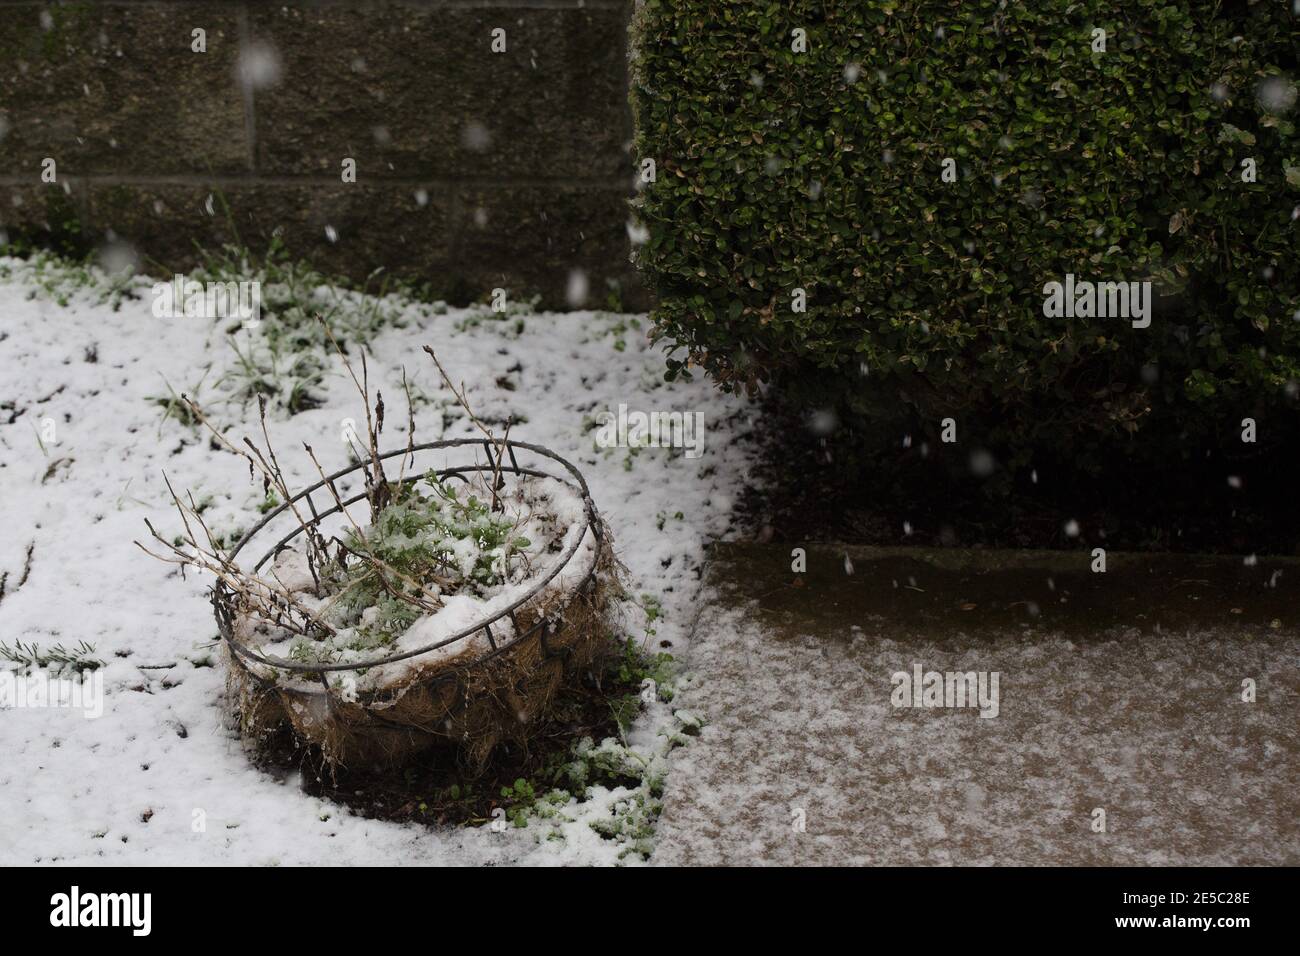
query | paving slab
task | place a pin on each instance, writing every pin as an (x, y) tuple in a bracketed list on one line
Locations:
[(1121, 732)]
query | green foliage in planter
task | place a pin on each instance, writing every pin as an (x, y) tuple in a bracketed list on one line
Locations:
[(821, 170), (449, 534)]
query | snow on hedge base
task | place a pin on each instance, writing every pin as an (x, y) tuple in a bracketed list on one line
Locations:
[(481, 669)]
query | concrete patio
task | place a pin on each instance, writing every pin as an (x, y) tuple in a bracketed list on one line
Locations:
[(1119, 691)]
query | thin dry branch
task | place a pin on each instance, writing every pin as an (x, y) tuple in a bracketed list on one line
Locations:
[(269, 601), (272, 477), (410, 429), (377, 491), (499, 444)]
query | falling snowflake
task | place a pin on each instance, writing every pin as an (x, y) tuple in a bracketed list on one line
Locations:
[(117, 257), (258, 66), (822, 422), (1276, 95), (982, 464), (576, 292), (475, 137)]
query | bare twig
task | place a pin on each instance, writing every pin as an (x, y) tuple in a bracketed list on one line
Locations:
[(271, 602), (377, 491), (410, 428), (487, 432), (272, 477)]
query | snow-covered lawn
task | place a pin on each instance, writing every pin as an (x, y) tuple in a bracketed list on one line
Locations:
[(83, 451)]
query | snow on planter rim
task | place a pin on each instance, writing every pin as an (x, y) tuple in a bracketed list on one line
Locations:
[(220, 595)]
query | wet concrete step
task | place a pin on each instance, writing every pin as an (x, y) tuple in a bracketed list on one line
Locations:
[(974, 590)]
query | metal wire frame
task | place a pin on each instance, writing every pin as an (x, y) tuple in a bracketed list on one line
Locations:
[(221, 594)]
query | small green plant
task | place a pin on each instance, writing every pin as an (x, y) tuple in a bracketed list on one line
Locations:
[(444, 536), (637, 666), (61, 279), (226, 540), (173, 406), (79, 659), (632, 823), (614, 297), (654, 610), (288, 375), (285, 358), (510, 322), (661, 519), (635, 781), (520, 798), (653, 674)]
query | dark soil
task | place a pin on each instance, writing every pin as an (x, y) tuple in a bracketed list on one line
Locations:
[(437, 789), (811, 488)]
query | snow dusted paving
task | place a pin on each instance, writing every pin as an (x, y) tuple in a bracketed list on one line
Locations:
[(129, 786), (794, 689)]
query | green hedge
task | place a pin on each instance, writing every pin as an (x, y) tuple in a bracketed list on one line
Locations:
[(821, 170)]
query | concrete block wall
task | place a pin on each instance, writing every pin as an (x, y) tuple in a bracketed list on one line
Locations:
[(474, 169)]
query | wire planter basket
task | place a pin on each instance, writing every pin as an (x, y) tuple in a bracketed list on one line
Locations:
[(490, 681)]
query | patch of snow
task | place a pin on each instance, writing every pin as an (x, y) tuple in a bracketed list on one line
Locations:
[(76, 791)]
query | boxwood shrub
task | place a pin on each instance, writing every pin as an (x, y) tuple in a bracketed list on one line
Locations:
[(822, 169)]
